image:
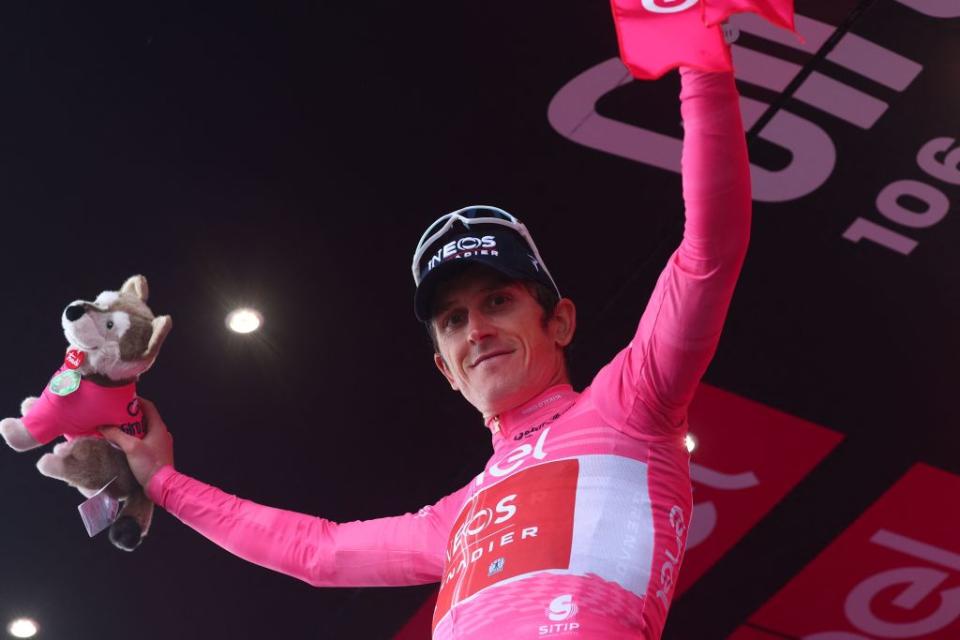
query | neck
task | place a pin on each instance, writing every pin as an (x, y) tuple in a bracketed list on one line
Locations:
[(548, 404), (559, 377)]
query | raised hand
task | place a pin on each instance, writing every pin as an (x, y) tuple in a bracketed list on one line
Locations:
[(148, 455)]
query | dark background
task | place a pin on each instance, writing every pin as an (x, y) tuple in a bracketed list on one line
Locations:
[(289, 154)]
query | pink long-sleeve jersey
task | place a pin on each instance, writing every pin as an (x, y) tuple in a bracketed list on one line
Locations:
[(577, 525)]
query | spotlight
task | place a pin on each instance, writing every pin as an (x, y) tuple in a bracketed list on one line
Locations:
[(244, 320), (23, 628), (690, 442)]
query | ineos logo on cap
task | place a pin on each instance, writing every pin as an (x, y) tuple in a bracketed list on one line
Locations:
[(464, 248)]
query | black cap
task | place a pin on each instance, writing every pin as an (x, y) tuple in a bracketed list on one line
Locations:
[(492, 245)]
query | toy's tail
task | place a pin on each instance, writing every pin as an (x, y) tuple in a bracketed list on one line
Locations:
[(133, 522)]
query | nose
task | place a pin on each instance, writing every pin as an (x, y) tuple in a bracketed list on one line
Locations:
[(479, 328), (74, 312)]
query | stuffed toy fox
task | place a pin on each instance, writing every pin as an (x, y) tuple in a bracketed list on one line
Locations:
[(113, 340)]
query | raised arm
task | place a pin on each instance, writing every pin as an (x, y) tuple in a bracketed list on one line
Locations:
[(716, 176), (651, 382), (395, 551)]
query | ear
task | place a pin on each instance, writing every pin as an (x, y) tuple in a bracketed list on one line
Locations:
[(161, 327), (564, 322), (137, 286), (445, 370)]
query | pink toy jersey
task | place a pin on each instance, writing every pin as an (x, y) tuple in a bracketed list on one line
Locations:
[(82, 411), (577, 525)]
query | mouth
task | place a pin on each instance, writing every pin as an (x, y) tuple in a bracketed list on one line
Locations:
[(489, 356), (75, 341), (82, 346)]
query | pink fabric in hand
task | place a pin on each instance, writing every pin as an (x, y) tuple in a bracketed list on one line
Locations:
[(656, 36)]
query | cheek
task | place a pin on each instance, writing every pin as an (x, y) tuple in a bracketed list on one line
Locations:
[(451, 365), (545, 349)]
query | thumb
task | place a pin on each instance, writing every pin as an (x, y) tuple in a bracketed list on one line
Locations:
[(119, 438), (150, 414), (152, 421)]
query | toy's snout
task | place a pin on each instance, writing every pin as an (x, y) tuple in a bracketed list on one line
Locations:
[(81, 327), (74, 312), (79, 308)]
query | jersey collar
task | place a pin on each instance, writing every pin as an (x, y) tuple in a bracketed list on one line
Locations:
[(552, 400)]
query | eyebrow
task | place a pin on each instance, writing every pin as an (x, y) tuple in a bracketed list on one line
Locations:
[(448, 302), (442, 307)]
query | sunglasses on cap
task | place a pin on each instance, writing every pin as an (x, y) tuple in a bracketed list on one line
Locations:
[(473, 215)]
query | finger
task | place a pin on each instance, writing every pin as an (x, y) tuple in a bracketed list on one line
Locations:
[(148, 405), (152, 420), (119, 438), (150, 412)]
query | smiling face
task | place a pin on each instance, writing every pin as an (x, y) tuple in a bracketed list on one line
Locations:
[(494, 345)]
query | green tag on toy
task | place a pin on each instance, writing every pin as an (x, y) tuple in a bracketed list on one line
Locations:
[(65, 383)]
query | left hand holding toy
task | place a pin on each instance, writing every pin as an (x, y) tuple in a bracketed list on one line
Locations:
[(149, 455)]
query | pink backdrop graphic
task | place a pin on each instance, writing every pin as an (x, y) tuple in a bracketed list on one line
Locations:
[(894, 573), (748, 457)]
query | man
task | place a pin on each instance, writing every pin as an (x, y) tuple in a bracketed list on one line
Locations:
[(577, 524)]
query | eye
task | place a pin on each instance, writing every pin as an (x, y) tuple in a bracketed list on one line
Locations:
[(453, 319), (499, 299), (109, 324)]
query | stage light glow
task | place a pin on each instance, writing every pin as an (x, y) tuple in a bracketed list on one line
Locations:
[(23, 628), (690, 442), (244, 320)]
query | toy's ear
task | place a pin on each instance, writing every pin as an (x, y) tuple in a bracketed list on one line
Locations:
[(161, 327), (137, 286)]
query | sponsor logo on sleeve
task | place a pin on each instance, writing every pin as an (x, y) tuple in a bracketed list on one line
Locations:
[(668, 569)]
